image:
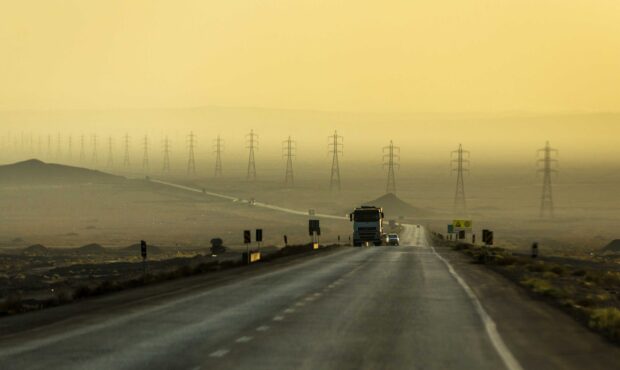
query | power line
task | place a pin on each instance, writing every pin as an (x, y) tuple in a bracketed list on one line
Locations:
[(217, 149), (289, 151), (548, 164), (252, 144), (191, 161), (391, 160), (335, 147), (460, 164)]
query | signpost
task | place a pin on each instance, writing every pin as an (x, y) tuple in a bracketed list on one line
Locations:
[(259, 239), (143, 253), (314, 229), (462, 227), (247, 239)]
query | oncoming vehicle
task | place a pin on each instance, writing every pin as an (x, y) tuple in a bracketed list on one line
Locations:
[(393, 239), (367, 225)]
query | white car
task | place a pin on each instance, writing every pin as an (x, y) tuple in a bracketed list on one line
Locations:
[(393, 239)]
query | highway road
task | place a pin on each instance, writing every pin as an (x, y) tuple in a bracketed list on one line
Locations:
[(356, 308)]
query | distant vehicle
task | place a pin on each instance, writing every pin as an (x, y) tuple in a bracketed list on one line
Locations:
[(393, 239), (367, 225)]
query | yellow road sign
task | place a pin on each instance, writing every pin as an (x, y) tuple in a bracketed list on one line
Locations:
[(462, 224)]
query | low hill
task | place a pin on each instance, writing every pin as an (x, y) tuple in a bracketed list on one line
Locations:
[(394, 207), (613, 246), (34, 171), (91, 249), (36, 250)]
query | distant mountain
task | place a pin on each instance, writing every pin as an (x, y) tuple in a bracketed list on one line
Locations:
[(393, 207), (36, 250), (613, 246), (91, 249), (34, 171)]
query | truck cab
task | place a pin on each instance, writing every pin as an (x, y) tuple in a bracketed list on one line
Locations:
[(367, 225)]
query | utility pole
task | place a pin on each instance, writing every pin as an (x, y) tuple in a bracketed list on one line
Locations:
[(335, 147), (217, 149), (94, 157), (191, 161), (166, 155), (288, 151), (252, 144), (460, 164), (110, 153), (126, 162), (391, 160), (548, 164), (145, 155), (82, 150)]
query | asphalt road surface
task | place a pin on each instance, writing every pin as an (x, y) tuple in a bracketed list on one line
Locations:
[(357, 308)]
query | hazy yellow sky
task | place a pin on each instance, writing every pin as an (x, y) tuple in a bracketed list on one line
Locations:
[(384, 56)]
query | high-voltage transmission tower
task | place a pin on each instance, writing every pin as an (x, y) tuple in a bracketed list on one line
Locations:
[(335, 148), (126, 162), (548, 163), (110, 153), (145, 155), (288, 152), (460, 164), (94, 157), (391, 160), (252, 144), (49, 146), (70, 148), (218, 147), (191, 160), (82, 150), (166, 167), (58, 146)]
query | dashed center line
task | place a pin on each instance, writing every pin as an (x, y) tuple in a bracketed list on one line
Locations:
[(219, 353), (289, 310), (262, 328), (299, 304), (243, 339), (278, 318)]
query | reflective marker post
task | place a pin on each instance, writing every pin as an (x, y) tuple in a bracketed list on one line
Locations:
[(143, 253)]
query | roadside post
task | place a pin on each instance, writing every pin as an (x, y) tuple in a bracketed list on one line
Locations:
[(487, 239), (143, 253), (285, 241), (247, 239), (450, 231), (259, 238), (534, 250), (473, 238), (339, 240), (314, 229)]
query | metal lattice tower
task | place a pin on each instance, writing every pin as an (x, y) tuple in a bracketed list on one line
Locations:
[(335, 147), (145, 155), (94, 156), (82, 149), (391, 160), (70, 148), (460, 164), (39, 147), (288, 151), (110, 152), (49, 146), (548, 164), (218, 147), (191, 161), (58, 146), (126, 161), (252, 144), (166, 167)]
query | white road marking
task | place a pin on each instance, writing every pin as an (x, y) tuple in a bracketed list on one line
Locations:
[(262, 328), (317, 294), (219, 353), (300, 304), (289, 310), (243, 339), (489, 325), (278, 318)]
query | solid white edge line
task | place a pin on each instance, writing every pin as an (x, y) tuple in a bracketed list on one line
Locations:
[(491, 328)]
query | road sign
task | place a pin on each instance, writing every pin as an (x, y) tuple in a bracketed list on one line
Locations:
[(462, 225), (247, 236), (487, 237), (450, 229), (143, 248), (314, 225), (259, 235)]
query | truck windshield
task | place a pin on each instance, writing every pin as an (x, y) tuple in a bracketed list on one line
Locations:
[(366, 216)]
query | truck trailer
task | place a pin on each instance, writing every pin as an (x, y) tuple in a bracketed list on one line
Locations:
[(367, 225)]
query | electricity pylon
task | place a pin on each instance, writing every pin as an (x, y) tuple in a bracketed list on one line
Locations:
[(335, 147), (191, 161), (391, 160), (548, 164), (288, 152), (166, 167), (145, 155), (49, 147), (58, 146), (460, 164), (82, 149), (94, 156), (126, 161), (218, 147), (70, 148), (110, 153), (252, 144)]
